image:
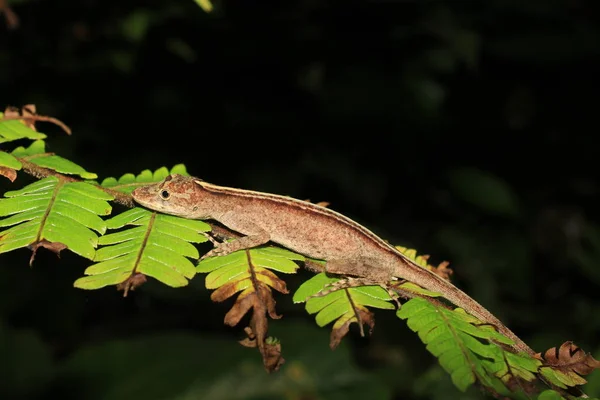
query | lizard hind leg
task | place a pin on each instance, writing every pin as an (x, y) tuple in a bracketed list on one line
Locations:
[(350, 282), (357, 273)]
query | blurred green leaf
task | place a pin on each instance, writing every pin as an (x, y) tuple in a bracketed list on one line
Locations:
[(8, 160), (11, 130), (484, 190), (206, 5), (136, 25)]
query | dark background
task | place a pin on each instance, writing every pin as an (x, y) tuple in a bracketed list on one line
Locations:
[(465, 129)]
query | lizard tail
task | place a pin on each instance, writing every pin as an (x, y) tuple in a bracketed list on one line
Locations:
[(464, 301)]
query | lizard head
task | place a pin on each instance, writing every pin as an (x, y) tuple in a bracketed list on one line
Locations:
[(176, 195)]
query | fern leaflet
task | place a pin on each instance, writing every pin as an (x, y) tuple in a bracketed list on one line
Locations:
[(237, 271), (469, 352), (36, 154), (127, 182), (157, 245), (344, 306), (13, 129), (53, 211)]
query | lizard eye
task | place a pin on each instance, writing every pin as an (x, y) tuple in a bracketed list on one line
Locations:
[(165, 194)]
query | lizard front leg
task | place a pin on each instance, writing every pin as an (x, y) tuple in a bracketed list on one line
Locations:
[(256, 238)]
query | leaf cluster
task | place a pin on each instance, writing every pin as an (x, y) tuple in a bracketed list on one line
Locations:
[(67, 208)]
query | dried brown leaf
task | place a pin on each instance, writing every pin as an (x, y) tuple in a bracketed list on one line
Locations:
[(262, 303), (570, 358), (364, 316), (224, 292), (272, 359), (30, 117), (273, 280), (131, 283), (245, 301), (443, 270), (9, 173), (320, 203), (55, 247), (258, 298), (11, 112), (28, 112)]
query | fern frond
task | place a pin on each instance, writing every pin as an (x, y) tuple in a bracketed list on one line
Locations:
[(234, 272), (9, 161), (155, 245), (344, 306), (250, 273), (11, 130), (54, 211), (36, 154), (466, 349), (127, 182)]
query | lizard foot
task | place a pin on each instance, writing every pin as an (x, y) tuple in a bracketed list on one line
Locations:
[(220, 249)]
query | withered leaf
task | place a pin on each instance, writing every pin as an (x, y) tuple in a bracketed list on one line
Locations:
[(262, 304), (29, 111), (9, 173), (29, 115), (55, 247), (224, 292), (274, 281), (443, 270), (131, 283), (320, 203), (260, 300), (255, 295), (363, 316), (271, 353), (570, 358), (11, 112)]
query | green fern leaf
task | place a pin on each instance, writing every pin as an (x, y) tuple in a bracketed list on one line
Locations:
[(37, 147), (468, 352), (12, 130), (9, 161), (54, 211), (562, 379), (36, 154), (127, 182), (62, 165), (240, 265), (157, 245), (339, 305), (550, 395)]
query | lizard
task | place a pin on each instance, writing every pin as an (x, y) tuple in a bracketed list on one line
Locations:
[(312, 230)]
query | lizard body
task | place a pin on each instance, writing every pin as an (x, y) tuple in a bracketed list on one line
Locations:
[(306, 228)]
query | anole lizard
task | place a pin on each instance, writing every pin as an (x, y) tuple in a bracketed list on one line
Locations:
[(306, 228)]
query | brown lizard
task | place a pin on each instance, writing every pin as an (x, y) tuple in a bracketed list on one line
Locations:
[(306, 228)]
